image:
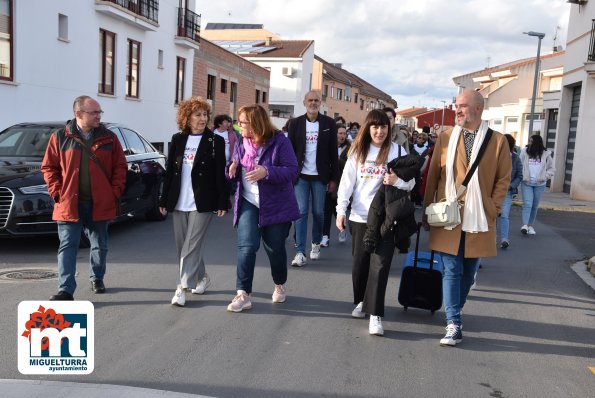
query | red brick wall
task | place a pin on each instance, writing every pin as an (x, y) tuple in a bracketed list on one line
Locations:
[(249, 77)]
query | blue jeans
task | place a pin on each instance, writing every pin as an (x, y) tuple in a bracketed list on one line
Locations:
[(503, 220), (249, 234), (303, 190), (457, 279), (70, 236), (531, 197)]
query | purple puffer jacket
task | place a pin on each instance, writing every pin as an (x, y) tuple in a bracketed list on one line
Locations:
[(277, 196)]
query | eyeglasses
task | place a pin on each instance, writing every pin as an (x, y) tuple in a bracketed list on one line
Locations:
[(242, 123), (94, 113)]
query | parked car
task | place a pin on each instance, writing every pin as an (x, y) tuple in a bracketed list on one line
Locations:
[(25, 205)]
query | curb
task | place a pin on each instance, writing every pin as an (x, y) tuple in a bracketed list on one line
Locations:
[(581, 270), (551, 206)]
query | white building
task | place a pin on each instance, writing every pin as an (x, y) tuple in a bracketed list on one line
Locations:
[(290, 62), (133, 56), (574, 155)]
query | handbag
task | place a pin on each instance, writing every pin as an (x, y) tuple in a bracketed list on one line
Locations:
[(446, 213)]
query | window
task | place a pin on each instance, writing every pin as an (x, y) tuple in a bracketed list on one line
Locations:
[(325, 90), (160, 59), (257, 96), (180, 77), (339, 94), (211, 87), (233, 92), (361, 104), (133, 69), (332, 91), (62, 27), (223, 85), (556, 83), (107, 46), (355, 100), (135, 144), (6, 40), (264, 97)]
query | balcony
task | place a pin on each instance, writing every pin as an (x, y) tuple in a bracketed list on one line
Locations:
[(188, 29), (590, 64), (143, 14)]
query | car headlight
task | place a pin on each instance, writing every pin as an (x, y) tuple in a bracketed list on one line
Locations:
[(35, 189)]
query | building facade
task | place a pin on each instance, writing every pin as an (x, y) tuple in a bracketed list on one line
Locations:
[(574, 139), (134, 56), (228, 81)]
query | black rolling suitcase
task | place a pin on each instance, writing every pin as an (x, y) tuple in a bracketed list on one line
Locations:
[(421, 281)]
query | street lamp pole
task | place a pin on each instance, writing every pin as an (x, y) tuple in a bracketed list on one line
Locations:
[(443, 109), (534, 98)]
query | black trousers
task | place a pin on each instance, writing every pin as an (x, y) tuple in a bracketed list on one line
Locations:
[(330, 208), (370, 270)]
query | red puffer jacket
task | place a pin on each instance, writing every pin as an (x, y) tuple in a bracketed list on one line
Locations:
[(60, 168)]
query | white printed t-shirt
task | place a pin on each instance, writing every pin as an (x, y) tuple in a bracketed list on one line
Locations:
[(225, 136), (362, 181), (312, 130), (186, 199)]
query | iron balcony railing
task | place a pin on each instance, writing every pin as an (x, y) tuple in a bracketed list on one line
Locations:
[(145, 8), (188, 24), (591, 56)]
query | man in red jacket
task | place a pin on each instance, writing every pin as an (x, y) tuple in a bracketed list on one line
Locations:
[(85, 170)]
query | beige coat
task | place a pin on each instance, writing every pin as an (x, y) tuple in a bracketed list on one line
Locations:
[(494, 179)]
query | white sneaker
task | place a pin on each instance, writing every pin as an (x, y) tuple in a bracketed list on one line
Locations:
[(524, 229), (240, 302), (299, 260), (376, 325), (315, 253), (342, 236), (179, 298), (325, 241), (279, 294), (531, 231), (202, 286), (357, 311)]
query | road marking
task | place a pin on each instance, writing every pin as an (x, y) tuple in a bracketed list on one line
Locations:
[(592, 369)]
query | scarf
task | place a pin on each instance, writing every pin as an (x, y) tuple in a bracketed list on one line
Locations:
[(474, 218), (251, 152)]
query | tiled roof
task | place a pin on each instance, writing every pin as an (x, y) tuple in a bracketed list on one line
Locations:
[(218, 26), (283, 49), (410, 112), (509, 65)]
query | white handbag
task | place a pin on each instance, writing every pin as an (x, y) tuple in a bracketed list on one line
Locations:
[(444, 213)]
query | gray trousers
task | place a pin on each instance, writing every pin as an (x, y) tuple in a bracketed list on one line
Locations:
[(190, 229)]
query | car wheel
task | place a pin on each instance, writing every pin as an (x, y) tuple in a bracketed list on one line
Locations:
[(154, 214)]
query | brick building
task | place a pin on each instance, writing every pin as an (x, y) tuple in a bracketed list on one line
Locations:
[(228, 81)]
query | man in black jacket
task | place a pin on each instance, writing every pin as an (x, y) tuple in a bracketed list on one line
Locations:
[(314, 140)]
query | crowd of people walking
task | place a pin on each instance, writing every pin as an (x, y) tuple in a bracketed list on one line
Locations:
[(369, 177)]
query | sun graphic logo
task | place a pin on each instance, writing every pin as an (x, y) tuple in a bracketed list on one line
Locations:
[(56, 337)]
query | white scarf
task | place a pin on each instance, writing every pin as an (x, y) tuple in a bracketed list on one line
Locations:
[(474, 218)]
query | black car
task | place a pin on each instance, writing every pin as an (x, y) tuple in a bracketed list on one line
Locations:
[(25, 205)]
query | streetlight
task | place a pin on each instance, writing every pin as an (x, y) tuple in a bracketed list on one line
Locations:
[(443, 108), (539, 36)]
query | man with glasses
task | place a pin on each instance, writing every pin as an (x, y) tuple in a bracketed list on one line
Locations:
[(85, 170), (314, 140)]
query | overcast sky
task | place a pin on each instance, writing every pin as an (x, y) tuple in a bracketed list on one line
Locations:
[(411, 49)]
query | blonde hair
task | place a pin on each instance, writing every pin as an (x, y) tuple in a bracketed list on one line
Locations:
[(261, 126)]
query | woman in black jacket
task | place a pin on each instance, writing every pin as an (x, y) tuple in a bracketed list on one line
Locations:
[(195, 187)]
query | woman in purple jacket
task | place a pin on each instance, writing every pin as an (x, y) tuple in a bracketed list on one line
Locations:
[(263, 167)]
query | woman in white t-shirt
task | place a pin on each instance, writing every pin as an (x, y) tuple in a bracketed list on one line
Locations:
[(364, 173), (194, 189), (538, 167)]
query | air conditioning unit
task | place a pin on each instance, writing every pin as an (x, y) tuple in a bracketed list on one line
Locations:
[(287, 71)]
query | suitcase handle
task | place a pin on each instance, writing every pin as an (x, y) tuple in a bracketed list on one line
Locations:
[(431, 261)]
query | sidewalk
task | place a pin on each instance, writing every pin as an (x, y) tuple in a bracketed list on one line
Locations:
[(561, 201)]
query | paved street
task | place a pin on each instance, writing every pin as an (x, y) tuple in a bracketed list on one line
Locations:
[(529, 324)]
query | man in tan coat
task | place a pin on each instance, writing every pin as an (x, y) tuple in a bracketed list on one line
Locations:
[(461, 247)]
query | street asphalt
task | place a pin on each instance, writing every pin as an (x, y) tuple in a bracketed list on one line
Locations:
[(529, 329)]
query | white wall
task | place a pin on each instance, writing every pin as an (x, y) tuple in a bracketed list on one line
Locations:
[(50, 73)]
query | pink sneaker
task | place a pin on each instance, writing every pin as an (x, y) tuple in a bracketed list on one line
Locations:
[(240, 302), (279, 294)]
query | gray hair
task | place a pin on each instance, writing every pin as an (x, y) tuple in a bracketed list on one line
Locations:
[(78, 102), (317, 92)]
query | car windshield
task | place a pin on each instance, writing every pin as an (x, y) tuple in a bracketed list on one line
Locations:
[(25, 141)]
